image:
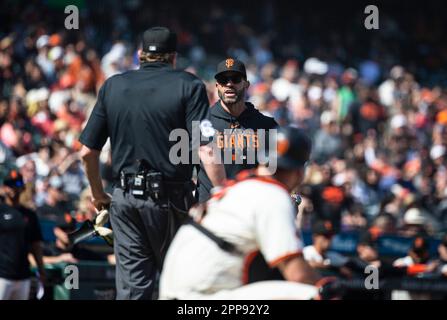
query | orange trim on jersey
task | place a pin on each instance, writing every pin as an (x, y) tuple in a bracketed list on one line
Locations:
[(271, 181), (228, 183), (248, 260), (250, 174), (247, 175), (285, 257)]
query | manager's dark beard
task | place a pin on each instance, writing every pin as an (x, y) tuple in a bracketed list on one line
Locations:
[(240, 94)]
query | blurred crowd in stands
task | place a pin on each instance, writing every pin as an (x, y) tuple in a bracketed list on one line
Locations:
[(374, 103)]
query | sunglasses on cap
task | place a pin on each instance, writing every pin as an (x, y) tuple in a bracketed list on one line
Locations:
[(224, 79)]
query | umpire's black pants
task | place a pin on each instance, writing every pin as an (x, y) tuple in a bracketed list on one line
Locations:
[(140, 229)]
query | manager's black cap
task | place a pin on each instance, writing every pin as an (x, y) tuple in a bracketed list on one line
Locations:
[(159, 40), (231, 64)]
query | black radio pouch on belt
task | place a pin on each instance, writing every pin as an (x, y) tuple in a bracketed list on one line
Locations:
[(136, 183), (144, 183), (138, 188), (154, 185)]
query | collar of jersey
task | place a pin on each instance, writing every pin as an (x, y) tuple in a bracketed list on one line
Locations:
[(250, 174), (218, 111), (244, 176)]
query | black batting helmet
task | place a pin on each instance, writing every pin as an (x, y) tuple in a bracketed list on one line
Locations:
[(293, 148)]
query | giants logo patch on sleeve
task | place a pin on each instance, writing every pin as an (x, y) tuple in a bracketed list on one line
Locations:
[(207, 129)]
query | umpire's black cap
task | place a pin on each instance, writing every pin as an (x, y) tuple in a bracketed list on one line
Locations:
[(159, 40), (231, 64), (293, 148)]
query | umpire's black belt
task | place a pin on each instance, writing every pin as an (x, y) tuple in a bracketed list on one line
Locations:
[(171, 188)]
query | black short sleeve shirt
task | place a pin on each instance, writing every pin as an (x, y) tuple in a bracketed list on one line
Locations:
[(142, 111)]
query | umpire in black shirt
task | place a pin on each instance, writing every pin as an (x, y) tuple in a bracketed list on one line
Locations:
[(230, 117), (138, 110)]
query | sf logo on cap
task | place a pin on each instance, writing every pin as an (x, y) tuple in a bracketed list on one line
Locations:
[(229, 63)]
